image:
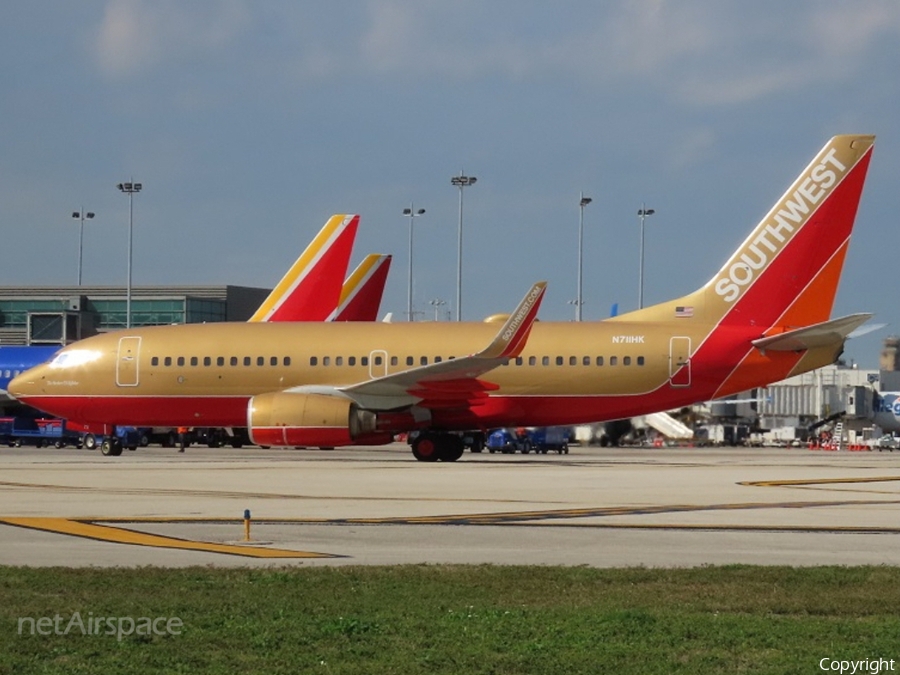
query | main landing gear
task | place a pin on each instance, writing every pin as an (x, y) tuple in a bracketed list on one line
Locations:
[(432, 446)]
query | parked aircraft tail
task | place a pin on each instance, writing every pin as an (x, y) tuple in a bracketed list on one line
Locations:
[(362, 291), (312, 286)]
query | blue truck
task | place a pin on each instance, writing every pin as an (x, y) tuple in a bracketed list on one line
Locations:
[(37, 431), (530, 439)]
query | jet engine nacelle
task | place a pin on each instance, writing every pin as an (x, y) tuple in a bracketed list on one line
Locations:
[(283, 418)]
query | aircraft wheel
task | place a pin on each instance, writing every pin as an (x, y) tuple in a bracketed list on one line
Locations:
[(59, 444), (111, 447), (17, 443), (90, 442), (425, 448), (452, 448)]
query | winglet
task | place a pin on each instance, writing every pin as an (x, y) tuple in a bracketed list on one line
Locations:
[(510, 341)]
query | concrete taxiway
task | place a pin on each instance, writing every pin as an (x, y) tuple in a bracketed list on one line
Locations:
[(595, 506)]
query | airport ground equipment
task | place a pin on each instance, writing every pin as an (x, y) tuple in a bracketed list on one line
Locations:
[(537, 439), (40, 432)]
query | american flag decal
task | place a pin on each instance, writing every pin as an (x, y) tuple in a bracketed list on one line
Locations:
[(684, 312)]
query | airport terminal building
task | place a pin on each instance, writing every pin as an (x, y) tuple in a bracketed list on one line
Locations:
[(58, 315)]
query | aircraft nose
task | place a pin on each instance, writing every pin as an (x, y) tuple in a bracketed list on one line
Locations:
[(25, 384)]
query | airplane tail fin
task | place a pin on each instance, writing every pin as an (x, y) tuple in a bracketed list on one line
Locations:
[(786, 272), (312, 286), (362, 291)]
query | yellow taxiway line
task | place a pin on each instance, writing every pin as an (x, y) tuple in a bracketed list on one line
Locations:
[(118, 535)]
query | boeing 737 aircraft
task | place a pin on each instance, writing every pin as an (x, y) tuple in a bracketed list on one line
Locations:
[(763, 317)]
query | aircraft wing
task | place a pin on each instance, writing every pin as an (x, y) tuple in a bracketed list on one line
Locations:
[(453, 383), (817, 335)]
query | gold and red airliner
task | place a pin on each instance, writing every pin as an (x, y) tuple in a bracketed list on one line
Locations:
[(763, 317)]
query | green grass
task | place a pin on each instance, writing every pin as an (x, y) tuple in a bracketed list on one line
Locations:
[(459, 620)]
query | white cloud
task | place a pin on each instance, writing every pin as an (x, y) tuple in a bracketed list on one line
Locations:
[(136, 35)]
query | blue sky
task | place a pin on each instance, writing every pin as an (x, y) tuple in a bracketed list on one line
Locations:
[(249, 123)]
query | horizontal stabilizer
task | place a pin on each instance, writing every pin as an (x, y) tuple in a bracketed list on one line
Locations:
[(832, 332)]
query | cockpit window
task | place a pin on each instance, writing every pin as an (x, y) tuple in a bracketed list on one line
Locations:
[(74, 357)]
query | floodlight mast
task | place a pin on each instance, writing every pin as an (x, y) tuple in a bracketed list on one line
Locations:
[(461, 181), (82, 216), (130, 188)]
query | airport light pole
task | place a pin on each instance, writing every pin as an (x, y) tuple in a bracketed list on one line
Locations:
[(643, 213), (581, 204), (130, 189), (461, 181), (437, 303), (82, 216), (412, 213)]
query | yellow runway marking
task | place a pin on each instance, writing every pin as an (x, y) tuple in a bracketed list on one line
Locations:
[(545, 517), (230, 494), (118, 535), (819, 481)]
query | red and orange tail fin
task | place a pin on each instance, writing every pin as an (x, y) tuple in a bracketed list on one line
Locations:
[(362, 291), (312, 286), (787, 271)]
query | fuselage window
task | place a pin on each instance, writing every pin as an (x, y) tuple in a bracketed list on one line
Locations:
[(233, 361), (599, 360), (287, 360), (248, 361), (168, 361), (338, 360), (220, 360), (438, 359), (423, 361), (180, 360), (261, 361), (379, 360), (559, 360), (207, 361), (586, 361), (626, 361), (326, 361), (363, 360), (640, 360), (351, 361), (394, 361), (532, 360), (410, 360), (613, 360), (545, 360), (154, 361), (519, 360), (573, 360), (313, 360), (273, 360), (194, 361)]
